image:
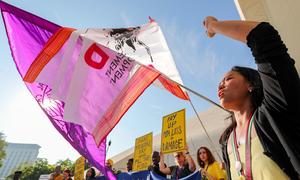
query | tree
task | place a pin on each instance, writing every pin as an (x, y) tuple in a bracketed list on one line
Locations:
[(41, 166), (2, 146), (67, 164), (34, 171)]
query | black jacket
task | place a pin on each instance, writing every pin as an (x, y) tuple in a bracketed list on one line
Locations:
[(277, 119)]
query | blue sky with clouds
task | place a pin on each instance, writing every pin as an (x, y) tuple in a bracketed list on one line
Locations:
[(200, 61)]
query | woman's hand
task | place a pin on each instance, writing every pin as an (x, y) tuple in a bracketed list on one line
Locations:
[(237, 30), (207, 23), (186, 150), (203, 172)]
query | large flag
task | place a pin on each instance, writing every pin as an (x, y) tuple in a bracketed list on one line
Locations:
[(27, 35), (86, 80)]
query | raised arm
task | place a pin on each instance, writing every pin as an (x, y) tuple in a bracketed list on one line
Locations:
[(277, 71), (164, 169), (237, 30), (190, 160)]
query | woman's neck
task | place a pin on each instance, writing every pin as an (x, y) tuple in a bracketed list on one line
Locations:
[(181, 164), (243, 114), (206, 164)]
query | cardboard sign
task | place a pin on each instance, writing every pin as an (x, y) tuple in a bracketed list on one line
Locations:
[(173, 136), (142, 152)]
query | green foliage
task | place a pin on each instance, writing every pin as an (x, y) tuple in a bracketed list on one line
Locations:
[(87, 165), (2, 146), (34, 171), (40, 167), (66, 164)]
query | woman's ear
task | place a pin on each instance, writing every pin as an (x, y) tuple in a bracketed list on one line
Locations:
[(250, 88)]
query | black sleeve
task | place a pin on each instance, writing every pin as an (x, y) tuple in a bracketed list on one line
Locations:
[(278, 120), (279, 76)]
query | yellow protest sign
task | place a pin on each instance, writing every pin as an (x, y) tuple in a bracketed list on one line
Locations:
[(142, 152), (173, 136), (79, 168)]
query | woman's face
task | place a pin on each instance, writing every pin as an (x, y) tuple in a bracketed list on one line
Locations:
[(66, 175), (233, 90), (203, 155), (89, 173)]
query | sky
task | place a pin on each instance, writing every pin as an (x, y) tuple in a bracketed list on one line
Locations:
[(201, 62)]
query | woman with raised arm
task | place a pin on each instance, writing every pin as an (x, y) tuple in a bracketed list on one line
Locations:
[(262, 141)]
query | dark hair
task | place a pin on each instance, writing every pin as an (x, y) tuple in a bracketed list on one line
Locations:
[(210, 157), (67, 171), (129, 165), (17, 175), (130, 160), (256, 94), (253, 77), (93, 173), (155, 152)]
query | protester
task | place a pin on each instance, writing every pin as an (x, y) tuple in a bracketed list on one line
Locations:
[(109, 164), (185, 165), (210, 169), (90, 174), (268, 97), (56, 175), (67, 174), (154, 167), (17, 175), (129, 165)]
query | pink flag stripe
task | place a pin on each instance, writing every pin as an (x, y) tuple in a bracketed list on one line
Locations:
[(143, 78), (173, 88), (53, 45)]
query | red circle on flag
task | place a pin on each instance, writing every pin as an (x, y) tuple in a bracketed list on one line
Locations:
[(93, 63)]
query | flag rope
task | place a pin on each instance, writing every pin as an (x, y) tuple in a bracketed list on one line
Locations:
[(205, 131)]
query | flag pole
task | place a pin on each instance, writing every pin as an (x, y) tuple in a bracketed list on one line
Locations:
[(206, 133), (189, 89), (201, 96)]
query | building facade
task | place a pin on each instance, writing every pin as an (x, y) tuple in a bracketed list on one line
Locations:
[(284, 15), (16, 155)]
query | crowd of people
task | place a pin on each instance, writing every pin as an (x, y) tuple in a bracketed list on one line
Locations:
[(185, 166), (58, 175)]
